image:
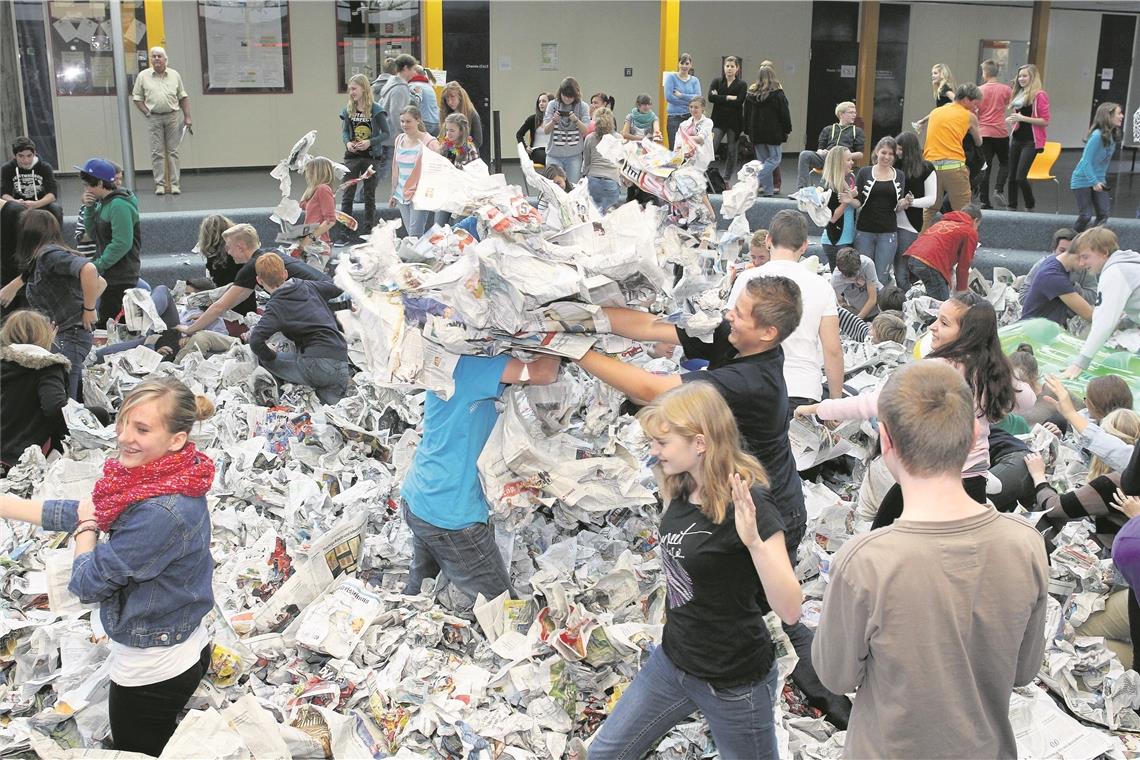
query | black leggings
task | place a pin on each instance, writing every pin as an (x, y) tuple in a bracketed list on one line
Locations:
[(892, 507), (1021, 156), (143, 717)]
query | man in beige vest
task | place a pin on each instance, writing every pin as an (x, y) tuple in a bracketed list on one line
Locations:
[(162, 99)]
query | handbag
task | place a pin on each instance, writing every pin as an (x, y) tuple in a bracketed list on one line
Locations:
[(745, 150)]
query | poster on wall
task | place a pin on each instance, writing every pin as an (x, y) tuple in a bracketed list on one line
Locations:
[(79, 34), (245, 46)]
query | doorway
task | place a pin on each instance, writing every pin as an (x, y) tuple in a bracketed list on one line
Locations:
[(1113, 61)]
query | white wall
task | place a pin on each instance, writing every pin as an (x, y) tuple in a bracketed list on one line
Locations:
[(229, 130), (1069, 74), (950, 34), (596, 42), (778, 31)]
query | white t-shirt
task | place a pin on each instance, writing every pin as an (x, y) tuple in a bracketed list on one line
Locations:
[(137, 666), (803, 353)]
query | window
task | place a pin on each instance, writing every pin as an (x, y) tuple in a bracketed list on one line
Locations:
[(369, 31), (80, 34)]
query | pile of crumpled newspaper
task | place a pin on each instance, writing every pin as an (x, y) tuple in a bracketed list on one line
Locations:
[(316, 651)]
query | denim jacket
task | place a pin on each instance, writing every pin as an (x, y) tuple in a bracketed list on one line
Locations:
[(152, 577)]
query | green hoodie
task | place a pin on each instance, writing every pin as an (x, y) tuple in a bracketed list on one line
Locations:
[(114, 223)]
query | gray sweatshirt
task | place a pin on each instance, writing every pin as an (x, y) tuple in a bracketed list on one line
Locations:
[(934, 623), (1117, 295)]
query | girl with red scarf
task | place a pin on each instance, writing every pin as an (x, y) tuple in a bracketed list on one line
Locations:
[(152, 575)]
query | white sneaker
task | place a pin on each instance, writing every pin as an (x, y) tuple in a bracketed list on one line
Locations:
[(175, 190), (160, 190)]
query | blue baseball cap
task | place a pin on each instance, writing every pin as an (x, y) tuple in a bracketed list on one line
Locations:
[(99, 168)]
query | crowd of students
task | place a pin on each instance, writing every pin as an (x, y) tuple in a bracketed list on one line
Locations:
[(733, 513)]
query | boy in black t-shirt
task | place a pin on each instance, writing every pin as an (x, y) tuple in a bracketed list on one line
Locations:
[(746, 364)]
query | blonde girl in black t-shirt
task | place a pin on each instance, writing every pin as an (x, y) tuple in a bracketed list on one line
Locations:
[(722, 545)]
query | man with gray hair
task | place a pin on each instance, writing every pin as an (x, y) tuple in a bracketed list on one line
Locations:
[(161, 98)]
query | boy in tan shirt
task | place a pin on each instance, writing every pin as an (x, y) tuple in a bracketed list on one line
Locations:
[(936, 618)]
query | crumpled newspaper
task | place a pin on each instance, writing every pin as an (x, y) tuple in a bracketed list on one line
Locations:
[(317, 652)]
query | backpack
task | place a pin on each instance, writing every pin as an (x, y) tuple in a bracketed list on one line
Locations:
[(716, 182)]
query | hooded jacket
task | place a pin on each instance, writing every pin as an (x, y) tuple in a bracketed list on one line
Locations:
[(300, 311), (951, 242), (393, 98), (35, 391), (29, 184), (114, 223), (1117, 295)]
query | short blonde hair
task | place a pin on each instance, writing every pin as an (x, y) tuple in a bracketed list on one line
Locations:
[(928, 410), (271, 270), (604, 122), (245, 233), (841, 107), (759, 238), (1099, 239), (1120, 423)]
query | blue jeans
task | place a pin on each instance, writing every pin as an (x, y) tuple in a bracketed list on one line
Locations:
[(328, 377), (902, 276), (469, 558), (415, 222), (662, 695), (572, 165), (880, 247), (770, 155), (74, 343), (1090, 202), (605, 193), (935, 284)]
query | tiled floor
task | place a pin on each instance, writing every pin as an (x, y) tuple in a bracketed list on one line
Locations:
[(254, 188)]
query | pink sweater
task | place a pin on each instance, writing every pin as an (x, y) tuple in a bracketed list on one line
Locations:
[(865, 406)]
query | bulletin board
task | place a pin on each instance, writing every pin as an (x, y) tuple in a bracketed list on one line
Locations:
[(81, 50), (245, 46), (368, 32)]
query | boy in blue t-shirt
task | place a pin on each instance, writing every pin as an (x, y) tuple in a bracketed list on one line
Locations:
[(1052, 294), (444, 503)]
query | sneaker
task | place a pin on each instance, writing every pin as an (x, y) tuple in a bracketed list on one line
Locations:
[(999, 198), (175, 190), (160, 190)]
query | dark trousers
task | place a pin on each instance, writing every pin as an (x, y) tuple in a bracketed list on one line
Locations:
[(111, 302), (143, 717), (994, 147), (730, 151), (356, 167), (935, 284), (1021, 156), (892, 507), (1090, 202)]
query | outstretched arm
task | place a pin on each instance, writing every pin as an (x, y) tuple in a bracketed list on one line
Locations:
[(639, 385), (640, 325)]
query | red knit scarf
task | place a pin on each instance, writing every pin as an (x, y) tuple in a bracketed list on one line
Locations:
[(188, 472)]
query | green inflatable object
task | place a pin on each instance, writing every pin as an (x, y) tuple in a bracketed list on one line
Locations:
[(1056, 350)]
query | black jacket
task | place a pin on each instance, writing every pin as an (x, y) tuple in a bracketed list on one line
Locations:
[(767, 121), (300, 311), (527, 130), (31, 406), (727, 114)]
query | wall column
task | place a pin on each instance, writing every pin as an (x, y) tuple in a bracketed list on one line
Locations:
[(1039, 35), (155, 24), (433, 35), (868, 61), (670, 42)]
